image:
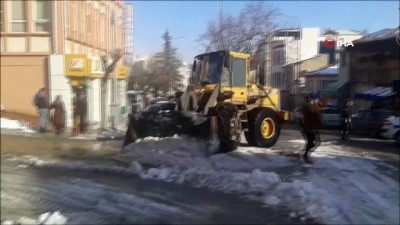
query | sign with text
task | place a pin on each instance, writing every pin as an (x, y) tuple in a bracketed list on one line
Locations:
[(96, 69), (122, 72), (76, 65), (332, 42)]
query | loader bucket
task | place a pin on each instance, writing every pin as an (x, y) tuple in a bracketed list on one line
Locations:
[(144, 124)]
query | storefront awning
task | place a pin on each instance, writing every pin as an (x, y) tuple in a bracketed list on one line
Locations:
[(376, 93), (334, 87)]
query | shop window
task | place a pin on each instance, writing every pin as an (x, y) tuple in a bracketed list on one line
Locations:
[(18, 16), (42, 15), (1, 16)]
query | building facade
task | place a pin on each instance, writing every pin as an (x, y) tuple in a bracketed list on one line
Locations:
[(42, 41), (292, 52), (372, 64), (315, 81), (288, 46)]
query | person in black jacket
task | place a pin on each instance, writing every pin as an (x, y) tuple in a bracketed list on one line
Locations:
[(42, 103), (346, 119)]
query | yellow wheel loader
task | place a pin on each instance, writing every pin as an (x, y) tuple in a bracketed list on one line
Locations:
[(219, 103)]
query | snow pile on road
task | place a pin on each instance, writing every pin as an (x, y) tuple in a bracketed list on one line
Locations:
[(55, 218), (151, 139), (336, 189), (15, 125)]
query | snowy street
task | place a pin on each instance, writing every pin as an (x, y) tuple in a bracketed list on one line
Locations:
[(175, 180)]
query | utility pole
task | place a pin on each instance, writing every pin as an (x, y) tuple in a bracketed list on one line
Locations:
[(114, 104)]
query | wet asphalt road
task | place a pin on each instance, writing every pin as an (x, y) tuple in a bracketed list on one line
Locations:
[(385, 150), (97, 198)]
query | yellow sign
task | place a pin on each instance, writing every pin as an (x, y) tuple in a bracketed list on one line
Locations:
[(122, 72), (95, 68), (76, 65)]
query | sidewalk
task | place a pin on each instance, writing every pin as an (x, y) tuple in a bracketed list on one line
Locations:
[(93, 133)]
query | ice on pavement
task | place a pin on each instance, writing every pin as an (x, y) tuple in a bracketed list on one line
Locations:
[(339, 188), (55, 218)]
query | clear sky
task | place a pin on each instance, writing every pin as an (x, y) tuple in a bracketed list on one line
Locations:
[(186, 20)]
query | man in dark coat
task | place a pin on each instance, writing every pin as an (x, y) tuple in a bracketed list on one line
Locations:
[(42, 103), (346, 119), (82, 105), (312, 123)]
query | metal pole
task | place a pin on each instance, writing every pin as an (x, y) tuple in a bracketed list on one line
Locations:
[(114, 99), (114, 104)]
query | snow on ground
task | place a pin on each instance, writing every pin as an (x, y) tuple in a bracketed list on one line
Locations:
[(15, 125), (55, 218), (339, 188)]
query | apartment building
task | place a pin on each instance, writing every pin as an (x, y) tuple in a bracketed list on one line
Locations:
[(57, 44), (288, 46)]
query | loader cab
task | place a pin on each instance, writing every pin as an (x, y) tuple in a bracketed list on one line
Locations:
[(223, 67)]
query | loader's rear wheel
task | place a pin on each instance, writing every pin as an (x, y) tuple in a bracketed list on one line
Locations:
[(266, 128), (249, 135), (228, 126)]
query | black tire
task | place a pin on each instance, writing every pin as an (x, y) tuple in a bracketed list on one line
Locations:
[(272, 138), (250, 138), (397, 139), (249, 134), (373, 133), (225, 112)]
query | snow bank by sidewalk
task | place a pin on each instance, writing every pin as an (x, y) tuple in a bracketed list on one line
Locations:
[(15, 125), (55, 218)]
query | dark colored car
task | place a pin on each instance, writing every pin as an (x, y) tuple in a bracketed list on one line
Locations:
[(369, 122), (162, 107)]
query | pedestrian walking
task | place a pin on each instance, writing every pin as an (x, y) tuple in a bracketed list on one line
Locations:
[(312, 123), (346, 119), (42, 104), (58, 115), (82, 105)]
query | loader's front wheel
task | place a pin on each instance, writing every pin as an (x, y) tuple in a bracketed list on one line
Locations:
[(229, 126), (266, 128)]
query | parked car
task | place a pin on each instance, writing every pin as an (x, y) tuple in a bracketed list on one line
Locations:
[(331, 117), (161, 107), (296, 115), (369, 122), (391, 129)]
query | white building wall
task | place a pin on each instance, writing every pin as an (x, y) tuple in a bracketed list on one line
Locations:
[(122, 87), (94, 96), (59, 85), (309, 42), (185, 71)]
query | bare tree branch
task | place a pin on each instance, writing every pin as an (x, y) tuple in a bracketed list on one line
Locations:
[(245, 32)]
